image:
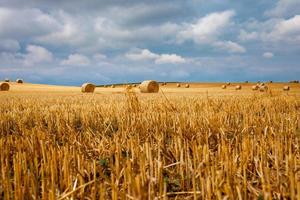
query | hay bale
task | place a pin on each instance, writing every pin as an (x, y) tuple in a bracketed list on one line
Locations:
[(88, 88), (164, 83), (223, 86), (112, 86), (6, 80), (178, 85), (238, 87), (128, 87), (134, 85), (263, 88), (255, 87), (262, 84), (149, 86), (228, 83), (286, 88), (19, 81), (4, 86), (187, 86)]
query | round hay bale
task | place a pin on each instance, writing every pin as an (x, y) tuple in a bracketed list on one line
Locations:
[(6, 80), (228, 83), (238, 87), (223, 87), (4, 86), (255, 87), (187, 86), (262, 84), (149, 86), (286, 88), (88, 88), (112, 86), (19, 81), (134, 85), (165, 83), (178, 85), (263, 88)]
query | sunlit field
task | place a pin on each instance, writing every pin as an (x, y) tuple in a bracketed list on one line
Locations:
[(201, 142)]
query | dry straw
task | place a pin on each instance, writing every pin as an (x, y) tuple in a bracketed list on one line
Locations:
[(19, 81), (187, 86), (88, 88), (149, 86), (178, 85), (286, 88), (238, 87), (112, 86), (228, 83), (128, 87), (223, 86), (4, 86)]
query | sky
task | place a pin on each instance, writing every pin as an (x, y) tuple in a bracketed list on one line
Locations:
[(70, 42)]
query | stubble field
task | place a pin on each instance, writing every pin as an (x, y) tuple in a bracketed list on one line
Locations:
[(200, 142)]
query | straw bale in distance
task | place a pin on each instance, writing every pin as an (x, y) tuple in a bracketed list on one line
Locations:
[(88, 88), (112, 86), (187, 86), (263, 88), (223, 86), (238, 87), (178, 85), (19, 81), (6, 80), (4, 86), (286, 88), (255, 87), (228, 83), (149, 86)]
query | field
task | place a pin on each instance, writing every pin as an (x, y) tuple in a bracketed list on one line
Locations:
[(201, 142)]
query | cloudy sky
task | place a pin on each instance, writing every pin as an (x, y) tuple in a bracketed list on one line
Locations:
[(108, 41)]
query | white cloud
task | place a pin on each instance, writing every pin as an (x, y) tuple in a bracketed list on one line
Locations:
[(68, 30), (169, 58), (25, 23), (36, 54), (268, 55), (284, 8), (99, 57), (145, 54), (230, 46), (206, 29), (9, 45), (76, 60), (287, 29), (245, 36), (276, 31)]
